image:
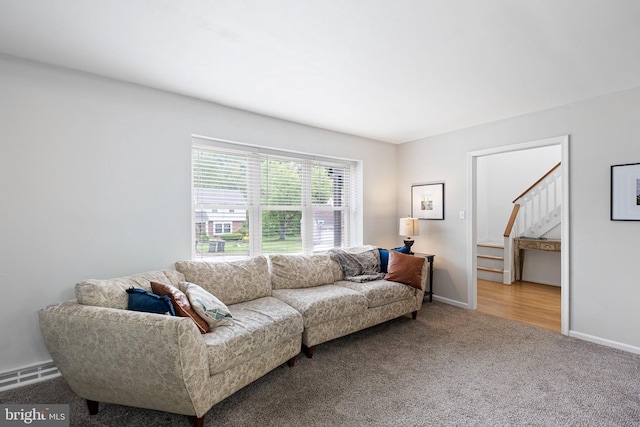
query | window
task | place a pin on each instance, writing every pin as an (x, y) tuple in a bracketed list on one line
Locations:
[(222, 227), (269, 201)]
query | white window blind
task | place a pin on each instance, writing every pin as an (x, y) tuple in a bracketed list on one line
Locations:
[(249, 200)]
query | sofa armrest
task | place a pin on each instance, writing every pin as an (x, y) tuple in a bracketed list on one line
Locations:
[(424, 280), (130, 358)]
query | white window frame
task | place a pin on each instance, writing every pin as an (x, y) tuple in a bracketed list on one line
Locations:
[(352, 206)]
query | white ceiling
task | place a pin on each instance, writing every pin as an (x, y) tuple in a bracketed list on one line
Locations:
[(392, 70)]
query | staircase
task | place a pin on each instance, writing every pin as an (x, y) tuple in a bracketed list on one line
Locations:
[(535, 212), (491, 262)]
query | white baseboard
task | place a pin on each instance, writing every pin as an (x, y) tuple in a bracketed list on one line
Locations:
[(451, 301), (28, 375), (605, 342), (574, 334)]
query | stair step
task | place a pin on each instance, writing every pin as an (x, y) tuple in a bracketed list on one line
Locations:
[(497, 258), (491, 245), (492, 270), (490, 250)]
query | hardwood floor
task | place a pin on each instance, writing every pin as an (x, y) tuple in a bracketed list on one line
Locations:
[(526, 302)]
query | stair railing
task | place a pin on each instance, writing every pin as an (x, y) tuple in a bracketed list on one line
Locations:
[(507, 271), (535, 211), (540, 205)]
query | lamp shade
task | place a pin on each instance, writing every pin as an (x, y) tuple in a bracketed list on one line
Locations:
[(409, 227)]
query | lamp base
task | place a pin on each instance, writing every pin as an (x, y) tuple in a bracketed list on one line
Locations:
[(409, 243)]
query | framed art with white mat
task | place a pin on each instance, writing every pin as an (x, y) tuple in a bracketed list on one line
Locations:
[(625, 192)]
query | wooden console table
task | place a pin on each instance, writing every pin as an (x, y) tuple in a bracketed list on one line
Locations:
[(522, 243)]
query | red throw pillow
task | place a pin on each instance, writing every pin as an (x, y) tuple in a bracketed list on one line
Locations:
[(405, 269), (180, 304)]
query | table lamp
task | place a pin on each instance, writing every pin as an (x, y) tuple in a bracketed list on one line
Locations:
[(409, 227)]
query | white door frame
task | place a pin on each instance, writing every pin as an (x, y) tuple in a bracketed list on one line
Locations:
[(472, 275)]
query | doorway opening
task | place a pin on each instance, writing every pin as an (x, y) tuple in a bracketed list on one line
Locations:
[(475, 211)]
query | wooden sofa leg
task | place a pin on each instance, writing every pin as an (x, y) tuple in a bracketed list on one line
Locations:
[(291, 362), (414, 315), (93, 407), (198, 421), (308, 350)]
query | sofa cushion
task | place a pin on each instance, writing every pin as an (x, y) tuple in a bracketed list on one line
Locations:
[(406, 269), (230, 281), (112, 293), (381, 292), (208, 307), (258, 325), (322, 304), (301, 271), (181, 304)]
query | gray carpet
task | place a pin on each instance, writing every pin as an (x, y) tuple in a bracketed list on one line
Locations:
[(450, 367)]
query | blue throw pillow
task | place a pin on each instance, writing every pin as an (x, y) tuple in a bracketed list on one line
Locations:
[(384, 256), (384, 259), (402, 249), (141, 300)]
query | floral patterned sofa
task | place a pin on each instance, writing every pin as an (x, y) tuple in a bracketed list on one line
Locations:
[(108, 353), (338, 298)]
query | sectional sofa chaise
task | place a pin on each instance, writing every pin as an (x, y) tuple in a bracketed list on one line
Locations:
[(279, 305)]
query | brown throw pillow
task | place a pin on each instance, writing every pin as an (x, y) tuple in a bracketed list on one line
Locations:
[(405, 269), (180, 304)]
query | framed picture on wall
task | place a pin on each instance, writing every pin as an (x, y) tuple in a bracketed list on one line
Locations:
[(427, 201), (625, 192)]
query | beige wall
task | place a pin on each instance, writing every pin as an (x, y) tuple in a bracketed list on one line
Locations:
[(87, 163), (603, 131), (95, 178)]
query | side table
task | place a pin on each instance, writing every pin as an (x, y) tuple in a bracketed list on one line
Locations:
[(522, 243), (429, 258)]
